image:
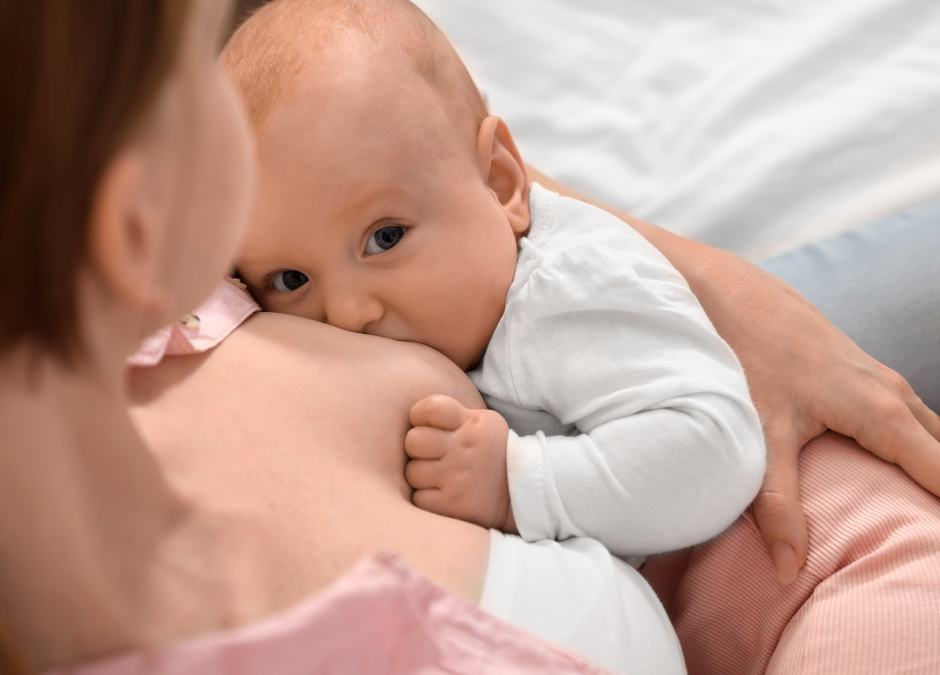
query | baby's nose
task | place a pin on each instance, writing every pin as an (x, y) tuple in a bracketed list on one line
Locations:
[(352, 310)]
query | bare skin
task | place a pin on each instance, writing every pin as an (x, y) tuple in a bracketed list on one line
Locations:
[(306, 461)]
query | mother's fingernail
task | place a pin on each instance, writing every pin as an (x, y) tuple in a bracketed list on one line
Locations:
[(784, 558)]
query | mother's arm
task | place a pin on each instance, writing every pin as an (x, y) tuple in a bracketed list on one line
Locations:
[(805, 377)]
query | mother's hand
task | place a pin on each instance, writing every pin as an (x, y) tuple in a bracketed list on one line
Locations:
[(805, 376)]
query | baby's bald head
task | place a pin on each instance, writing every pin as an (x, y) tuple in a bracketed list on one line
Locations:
[(387, 201), (273, 53)]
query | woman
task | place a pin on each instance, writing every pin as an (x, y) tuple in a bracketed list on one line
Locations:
[(103, 549), (117, 123), (127, 171)]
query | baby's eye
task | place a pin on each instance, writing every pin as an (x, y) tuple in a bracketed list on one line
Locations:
[(384, 238), (288, 280)]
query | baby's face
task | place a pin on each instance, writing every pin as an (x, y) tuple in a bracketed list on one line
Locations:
[(372, 215)]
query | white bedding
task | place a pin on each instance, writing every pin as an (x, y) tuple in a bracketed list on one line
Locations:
[(754, 125)]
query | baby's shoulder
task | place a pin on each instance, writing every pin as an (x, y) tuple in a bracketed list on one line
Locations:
[(563, 228), (576, 246)]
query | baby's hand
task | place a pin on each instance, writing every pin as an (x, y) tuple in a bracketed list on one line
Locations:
[(458, 462)]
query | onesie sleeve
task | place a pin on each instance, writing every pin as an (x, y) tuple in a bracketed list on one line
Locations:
[(664, 448)]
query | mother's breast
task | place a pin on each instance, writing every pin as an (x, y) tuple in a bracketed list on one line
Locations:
[(301, 426), (286, 390)]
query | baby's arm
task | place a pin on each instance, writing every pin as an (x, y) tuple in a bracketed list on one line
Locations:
[(457, 462), (670, 449)]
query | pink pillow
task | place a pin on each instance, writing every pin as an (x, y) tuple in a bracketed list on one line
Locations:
[(866, 602)]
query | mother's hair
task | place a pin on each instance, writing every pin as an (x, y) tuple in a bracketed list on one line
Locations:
[(78, 77)]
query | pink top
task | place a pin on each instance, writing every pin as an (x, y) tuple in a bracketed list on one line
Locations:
[(381, 618)]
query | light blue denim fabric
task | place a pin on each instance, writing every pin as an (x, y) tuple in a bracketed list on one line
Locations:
[(880, 284)]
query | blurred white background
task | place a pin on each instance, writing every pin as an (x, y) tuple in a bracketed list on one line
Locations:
[(755, 125)]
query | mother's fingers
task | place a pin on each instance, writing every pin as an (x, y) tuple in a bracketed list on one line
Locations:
[(895, 386), (921, 460), (892, 423), (909, 445), (777, 507), (439, 411), (927, 417)]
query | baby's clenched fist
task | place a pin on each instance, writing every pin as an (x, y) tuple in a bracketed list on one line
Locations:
[(458, 462)]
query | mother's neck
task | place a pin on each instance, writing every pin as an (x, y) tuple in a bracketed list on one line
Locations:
[(80, 496)]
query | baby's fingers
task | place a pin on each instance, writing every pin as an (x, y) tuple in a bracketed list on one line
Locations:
[(439, 411), (423, 474), (426, 443), (430, 499)]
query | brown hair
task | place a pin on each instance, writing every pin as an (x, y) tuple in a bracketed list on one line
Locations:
[(77, 76), (12, 660)]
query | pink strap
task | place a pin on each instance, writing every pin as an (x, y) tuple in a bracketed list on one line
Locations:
[(227, 307), (382, 618)]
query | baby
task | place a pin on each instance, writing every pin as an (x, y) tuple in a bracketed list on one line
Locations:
[(390, 203)]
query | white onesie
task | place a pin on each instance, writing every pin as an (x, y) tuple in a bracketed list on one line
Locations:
[(631, 420), (578, 596)]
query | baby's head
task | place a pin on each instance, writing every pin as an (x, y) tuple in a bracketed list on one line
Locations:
[(388, 202)]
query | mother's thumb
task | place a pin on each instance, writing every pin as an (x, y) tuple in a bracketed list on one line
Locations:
[(778, 512)]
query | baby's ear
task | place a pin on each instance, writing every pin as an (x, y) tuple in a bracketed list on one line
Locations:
[(503, 171)]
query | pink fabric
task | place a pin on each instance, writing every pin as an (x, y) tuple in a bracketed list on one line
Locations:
[(867, 601), (381, 618), (227, 307)]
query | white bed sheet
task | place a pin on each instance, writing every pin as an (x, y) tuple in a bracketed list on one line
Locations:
[(754, 125)]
